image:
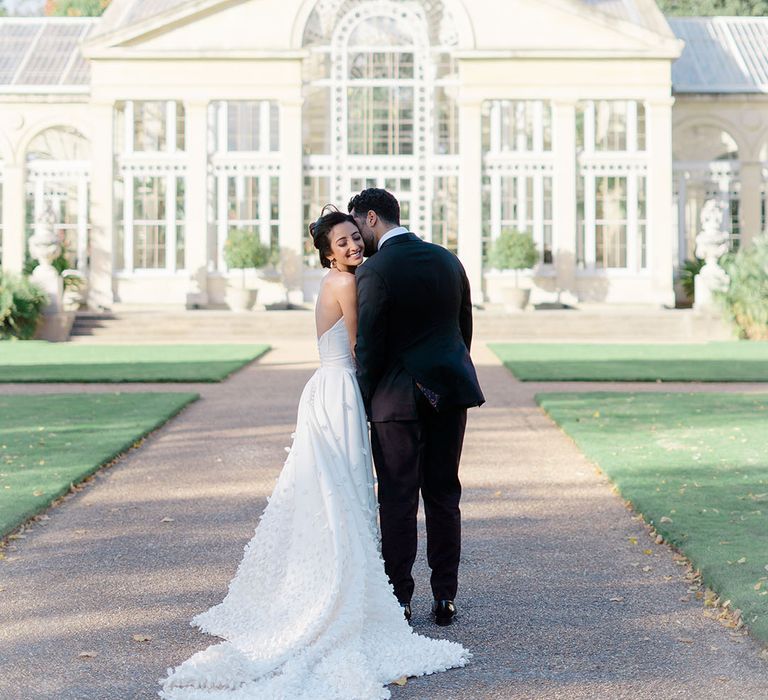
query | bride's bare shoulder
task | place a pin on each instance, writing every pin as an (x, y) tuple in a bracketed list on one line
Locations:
[(337, 280)]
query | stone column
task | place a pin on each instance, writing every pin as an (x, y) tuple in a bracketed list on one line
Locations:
[(100, 283), (14, 238), (291, 197), (660, 230), (564, 221), (196, 204), (470, 194), (751, 178)]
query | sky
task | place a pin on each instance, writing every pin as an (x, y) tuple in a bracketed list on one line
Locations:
[(24, 7)]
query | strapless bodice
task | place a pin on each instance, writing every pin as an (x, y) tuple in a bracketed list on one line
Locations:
[(333, 347)]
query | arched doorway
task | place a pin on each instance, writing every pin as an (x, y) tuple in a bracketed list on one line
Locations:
[(380, 111), (58, 173)]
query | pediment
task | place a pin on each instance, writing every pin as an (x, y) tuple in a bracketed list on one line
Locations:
[(204, 27), (207, 27)]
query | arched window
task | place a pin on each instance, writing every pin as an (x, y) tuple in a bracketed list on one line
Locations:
[(58, 173), (380, 110), (706, 166)]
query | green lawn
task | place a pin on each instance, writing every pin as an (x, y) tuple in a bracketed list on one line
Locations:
[(38, 361), (745, 361), (696, 467), (49, 442)]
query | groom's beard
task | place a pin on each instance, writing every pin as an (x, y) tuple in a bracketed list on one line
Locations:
[(369, 246)]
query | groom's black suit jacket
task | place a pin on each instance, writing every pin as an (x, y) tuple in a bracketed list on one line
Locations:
[(414, 325)]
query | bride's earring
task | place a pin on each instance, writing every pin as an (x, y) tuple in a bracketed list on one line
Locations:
[(333, 262)]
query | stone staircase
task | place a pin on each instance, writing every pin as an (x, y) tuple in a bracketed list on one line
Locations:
[(589, 323)]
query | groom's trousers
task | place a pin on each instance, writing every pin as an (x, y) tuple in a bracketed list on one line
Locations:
[(412, 456)]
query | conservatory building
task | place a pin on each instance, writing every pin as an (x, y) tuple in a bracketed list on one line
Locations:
[(598, 127)]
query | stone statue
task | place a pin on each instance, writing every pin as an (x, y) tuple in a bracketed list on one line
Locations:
[(45, 247), (711, 244)]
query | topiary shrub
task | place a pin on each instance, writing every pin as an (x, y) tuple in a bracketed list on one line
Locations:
[(244, 249), (513, 250), (746, 300), (21, 304)]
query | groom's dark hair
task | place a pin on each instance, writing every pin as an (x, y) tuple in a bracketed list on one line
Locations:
[(384, 203)]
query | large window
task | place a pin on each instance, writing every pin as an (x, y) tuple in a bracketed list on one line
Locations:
[(611, 185), (612, 217), (380, 101), (610, 125), (380, 89), (150, 191), (245, 145), (706, 166), (152, 224), (250, 202), (518, 166), (246, 125), (150, 126), (58, 167)]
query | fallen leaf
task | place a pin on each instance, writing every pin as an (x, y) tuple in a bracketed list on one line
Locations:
[(142, 638), (685, 640), (401, 681), (633, 540), (648, 551), (87, 654), (743, 560), (764, 654), (665, 519), (617, 599), (167, 520), (647, 569)]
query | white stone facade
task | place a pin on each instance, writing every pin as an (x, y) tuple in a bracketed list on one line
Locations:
[(163, 125)]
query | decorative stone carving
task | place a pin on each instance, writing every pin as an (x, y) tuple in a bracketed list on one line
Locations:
[(711, 244)]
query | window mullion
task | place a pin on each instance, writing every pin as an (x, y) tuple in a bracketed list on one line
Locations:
[(128, 208), (222, 205), (170, 223), (633, 240), (264, 208), (589, 220)]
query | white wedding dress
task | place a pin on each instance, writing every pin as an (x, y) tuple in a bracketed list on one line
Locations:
[(310, 614)]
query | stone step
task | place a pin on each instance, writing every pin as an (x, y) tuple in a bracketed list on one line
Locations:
[(603, 324)]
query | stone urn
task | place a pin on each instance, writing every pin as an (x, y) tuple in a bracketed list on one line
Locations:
[(514, 298), (240, 298), (45, 247)]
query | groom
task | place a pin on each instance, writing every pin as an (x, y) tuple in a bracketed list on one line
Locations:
[(417, 381)]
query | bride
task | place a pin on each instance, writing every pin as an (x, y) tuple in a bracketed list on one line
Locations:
[(310, 614)]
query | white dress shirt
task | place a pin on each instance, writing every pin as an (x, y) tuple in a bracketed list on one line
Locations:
[(397, 231)]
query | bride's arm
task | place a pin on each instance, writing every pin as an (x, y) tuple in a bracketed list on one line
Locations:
[(346, 293)]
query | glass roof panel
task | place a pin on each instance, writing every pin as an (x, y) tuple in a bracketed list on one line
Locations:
[(51, 55), (15, 41), (44, 51)]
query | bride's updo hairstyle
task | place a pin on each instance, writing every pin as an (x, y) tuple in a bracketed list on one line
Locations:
[(320, 230)]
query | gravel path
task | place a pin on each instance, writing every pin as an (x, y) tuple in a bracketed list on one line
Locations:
[(155, 539)]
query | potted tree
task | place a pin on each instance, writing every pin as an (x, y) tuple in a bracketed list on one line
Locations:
[(516, 251), (243, 249)]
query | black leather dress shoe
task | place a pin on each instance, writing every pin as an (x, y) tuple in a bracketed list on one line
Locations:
[(444, 612), (406, 610)]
